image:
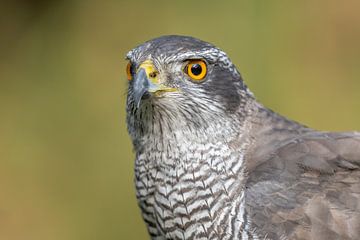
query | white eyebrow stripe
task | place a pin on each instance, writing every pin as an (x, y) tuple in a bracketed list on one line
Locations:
[(211, 54)]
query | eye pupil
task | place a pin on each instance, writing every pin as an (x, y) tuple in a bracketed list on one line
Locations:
[(196, 69)]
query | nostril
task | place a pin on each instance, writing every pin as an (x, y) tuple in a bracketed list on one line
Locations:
[(153, 74)]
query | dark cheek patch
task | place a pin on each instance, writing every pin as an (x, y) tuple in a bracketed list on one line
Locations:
[(220, 83)]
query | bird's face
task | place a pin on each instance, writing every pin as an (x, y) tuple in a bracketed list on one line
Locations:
[(155, 79), (182, 78)]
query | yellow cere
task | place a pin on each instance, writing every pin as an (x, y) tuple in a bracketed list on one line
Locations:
[(154, 77), (151, 71)]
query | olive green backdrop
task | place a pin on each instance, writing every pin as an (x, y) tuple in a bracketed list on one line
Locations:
[(66, 162)]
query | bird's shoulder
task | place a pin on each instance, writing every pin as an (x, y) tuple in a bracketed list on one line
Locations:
[(307, 185), (322, 152)]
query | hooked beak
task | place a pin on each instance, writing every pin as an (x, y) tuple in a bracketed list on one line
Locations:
[(147, 82)]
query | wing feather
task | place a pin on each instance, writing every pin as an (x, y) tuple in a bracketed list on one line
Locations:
[(307, 188)]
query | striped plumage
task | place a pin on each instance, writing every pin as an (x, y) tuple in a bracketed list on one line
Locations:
[(213, 163)]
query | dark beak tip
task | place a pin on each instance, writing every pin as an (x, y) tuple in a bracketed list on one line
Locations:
[(146, 95)]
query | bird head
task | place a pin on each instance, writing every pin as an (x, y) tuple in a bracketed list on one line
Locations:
[(179, 81)]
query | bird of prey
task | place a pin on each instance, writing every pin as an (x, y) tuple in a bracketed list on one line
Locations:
[(214, 163)]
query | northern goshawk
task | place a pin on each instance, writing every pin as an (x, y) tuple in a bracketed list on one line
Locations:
[(214, 163)]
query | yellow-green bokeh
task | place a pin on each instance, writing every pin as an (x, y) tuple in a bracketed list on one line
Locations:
[(66, 162)]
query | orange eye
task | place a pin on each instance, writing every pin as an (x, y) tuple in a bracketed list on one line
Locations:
[(196, 69), (129, 71)]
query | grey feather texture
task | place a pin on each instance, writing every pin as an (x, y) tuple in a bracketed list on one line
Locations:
[(213, 163)]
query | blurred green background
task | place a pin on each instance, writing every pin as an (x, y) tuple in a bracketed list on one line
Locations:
[(66, 162)]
